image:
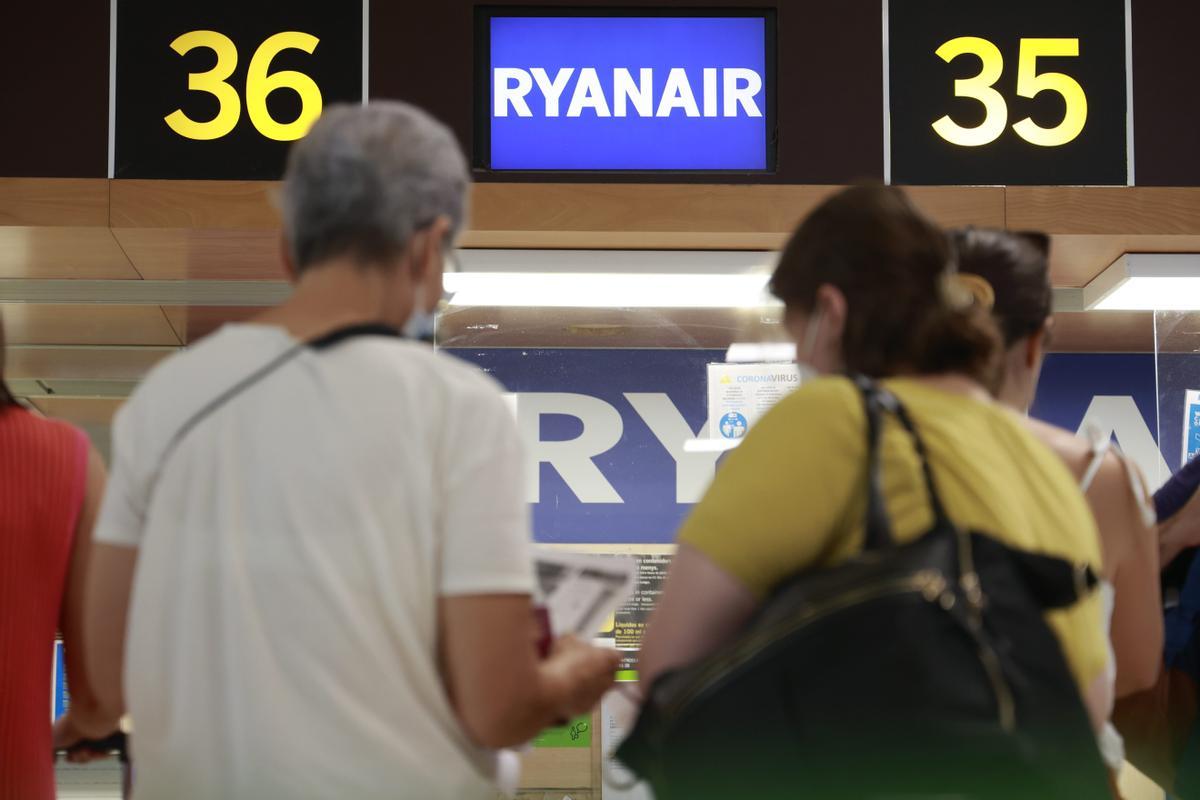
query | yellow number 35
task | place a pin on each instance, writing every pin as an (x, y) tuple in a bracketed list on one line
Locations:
[(259, 84), (1029, 84)]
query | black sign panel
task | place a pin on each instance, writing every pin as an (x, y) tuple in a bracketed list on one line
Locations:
[(219, 89), (1013, 92)]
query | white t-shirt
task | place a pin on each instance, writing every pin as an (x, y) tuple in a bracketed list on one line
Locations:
[(282, 633)]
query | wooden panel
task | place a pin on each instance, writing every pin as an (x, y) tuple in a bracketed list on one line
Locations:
[(1075, 260), (222, 230), (1102, 210), (80, 410), (195, 322), (62, 252), (193, 204), (206, 254), (561, 768), (90, 324), (680, 216), (53, 201), (557, 215), (1103, 332), (83, 363), (956, 206)]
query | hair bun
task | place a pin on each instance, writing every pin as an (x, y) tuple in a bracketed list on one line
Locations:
[(964, 289)]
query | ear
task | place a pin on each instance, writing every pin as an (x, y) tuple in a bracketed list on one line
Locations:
[(831, 305), (427, 259), (285, 255), (831, 302)]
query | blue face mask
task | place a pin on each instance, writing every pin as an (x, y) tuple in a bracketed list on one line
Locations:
[(421, 324)]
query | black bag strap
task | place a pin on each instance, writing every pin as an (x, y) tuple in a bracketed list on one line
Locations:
[(878, 401), (878, 531), (323, 342), (1054, 582)]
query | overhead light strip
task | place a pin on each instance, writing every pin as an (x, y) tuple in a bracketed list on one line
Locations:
[(608, 290), (1147, 282)]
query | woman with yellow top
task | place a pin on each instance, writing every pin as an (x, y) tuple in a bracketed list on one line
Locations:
[(869, 288)]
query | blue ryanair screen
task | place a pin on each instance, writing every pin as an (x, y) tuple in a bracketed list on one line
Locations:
[(628, 93)]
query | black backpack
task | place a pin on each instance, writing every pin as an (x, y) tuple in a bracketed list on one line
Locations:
[(922, 670)]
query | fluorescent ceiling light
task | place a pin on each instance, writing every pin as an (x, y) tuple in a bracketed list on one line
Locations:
[(707, 262), (608, 290), (611, 278), (1147, 282)]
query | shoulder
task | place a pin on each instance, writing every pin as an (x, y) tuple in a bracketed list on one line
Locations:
[(836, 396), (1059, 460), (461, 405), (38, 431), (1123, 505), (218, 353), (166, 388), (1074, 451), (823, 416), (179, 386), (1117, 481), (456, 381)]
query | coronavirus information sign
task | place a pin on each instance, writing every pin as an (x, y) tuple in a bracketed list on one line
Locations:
[(624, 93)]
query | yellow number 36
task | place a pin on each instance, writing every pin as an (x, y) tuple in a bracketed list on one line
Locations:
[(259, 84), (1029, 84)]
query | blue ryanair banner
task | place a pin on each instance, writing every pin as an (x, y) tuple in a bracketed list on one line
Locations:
[(649, 92), (603, 433), (603, 430), (1111, 394)]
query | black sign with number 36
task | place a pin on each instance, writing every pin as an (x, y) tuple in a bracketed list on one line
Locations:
[(217, 90)]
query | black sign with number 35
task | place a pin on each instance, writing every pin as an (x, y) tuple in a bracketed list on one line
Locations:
[(1013, 92)]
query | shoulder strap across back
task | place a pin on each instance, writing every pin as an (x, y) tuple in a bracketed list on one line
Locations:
[(878, 401)]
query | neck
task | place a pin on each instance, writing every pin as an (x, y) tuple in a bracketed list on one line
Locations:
[(955, 383), (339, 293), (1014, 397)]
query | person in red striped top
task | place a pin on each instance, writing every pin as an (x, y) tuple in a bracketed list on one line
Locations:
[(51, 481)]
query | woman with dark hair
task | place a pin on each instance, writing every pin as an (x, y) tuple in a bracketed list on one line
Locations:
[(870, 288), (1017, 267), (51, 481)]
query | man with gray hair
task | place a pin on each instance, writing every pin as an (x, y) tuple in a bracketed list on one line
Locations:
[(322, 525)]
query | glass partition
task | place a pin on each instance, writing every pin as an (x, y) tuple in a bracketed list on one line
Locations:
[(605, 356)]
